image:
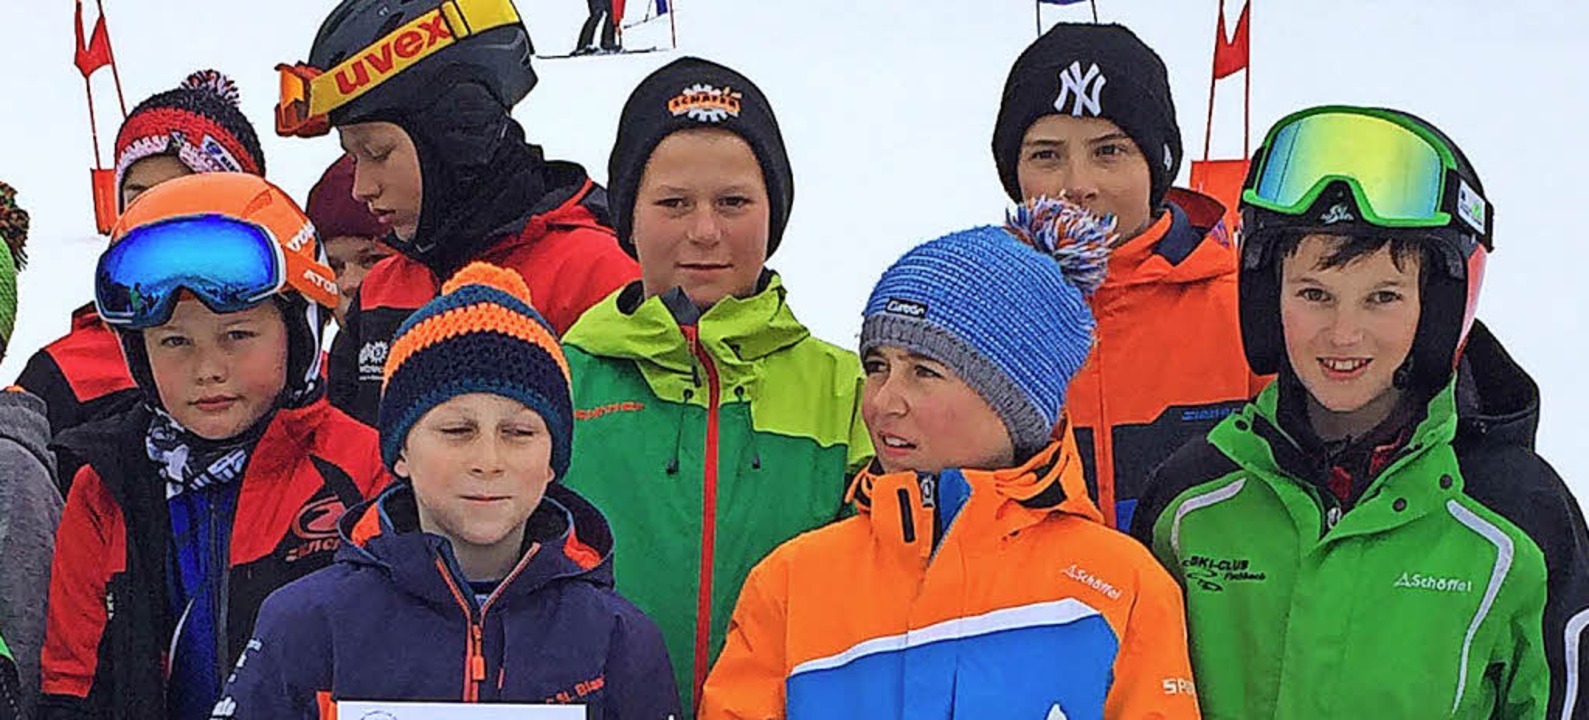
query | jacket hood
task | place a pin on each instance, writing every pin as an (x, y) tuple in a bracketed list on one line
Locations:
[(900, 505), (23, 421), (736, 332), (1189, 243), (566, 538), (1497, 400), (483, 182)]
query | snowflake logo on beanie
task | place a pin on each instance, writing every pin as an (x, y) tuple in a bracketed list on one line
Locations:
[(706, 103), (1080, 90)]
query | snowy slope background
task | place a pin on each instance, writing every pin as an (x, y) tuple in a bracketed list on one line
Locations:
[(887, 109)]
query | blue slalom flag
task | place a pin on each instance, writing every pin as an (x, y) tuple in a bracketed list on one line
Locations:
[(662, 7)]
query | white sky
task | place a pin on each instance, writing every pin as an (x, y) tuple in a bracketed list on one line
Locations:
[(887, 109)]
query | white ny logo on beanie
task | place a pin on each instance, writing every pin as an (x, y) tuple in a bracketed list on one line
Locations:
[(1081, 90)]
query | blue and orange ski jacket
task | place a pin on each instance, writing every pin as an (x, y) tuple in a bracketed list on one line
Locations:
[(966, 594), (395, 619)]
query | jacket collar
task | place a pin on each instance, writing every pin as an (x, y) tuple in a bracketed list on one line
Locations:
[(1188, 243), (737, 333), (899, 506), (1417, 481), (566, 537), (114, 445)]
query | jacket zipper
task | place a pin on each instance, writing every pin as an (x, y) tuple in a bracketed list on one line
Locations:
[(474, 661), (703, 608), (222, 599)]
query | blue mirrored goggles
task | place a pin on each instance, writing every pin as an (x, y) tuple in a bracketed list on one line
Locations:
[(228, 264)]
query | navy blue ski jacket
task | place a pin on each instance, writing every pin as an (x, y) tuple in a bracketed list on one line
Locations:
[(394, 619)]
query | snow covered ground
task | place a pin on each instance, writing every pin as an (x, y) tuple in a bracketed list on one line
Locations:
[(887, 108)]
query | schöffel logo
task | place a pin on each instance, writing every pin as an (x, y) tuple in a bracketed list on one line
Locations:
[(706, 103), (394, 50), (1081, 91), (1085, 577), (1419, 581), (908, 308), (1212, 574)]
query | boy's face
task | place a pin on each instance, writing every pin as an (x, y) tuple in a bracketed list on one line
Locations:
[(351, 257), (1348, 329), (480, 464), (386, 174), (701, 217), (149, 172), (218, 374), (923, 417), (1093, 162)]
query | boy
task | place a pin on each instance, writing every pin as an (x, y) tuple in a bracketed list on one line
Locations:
[(1087, 113), (1348, 545), (352, 234), (698, 381), (223, 483), (478, 556), (445, 167), (196, 127), (30, 506)]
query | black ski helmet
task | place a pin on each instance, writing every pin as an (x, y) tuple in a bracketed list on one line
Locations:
[(1455, 257), (497, 59)]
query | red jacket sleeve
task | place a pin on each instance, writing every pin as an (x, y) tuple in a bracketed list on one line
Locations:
[(90, 545)]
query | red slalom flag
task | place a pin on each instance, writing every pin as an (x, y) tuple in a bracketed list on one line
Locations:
[(96, 53), (1230, 55)]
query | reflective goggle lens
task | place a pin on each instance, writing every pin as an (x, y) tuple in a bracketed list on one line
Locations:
[(228, 264), (1396, 174)]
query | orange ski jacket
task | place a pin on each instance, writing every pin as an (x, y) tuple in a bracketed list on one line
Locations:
[(1168, 362), (1025, 605)]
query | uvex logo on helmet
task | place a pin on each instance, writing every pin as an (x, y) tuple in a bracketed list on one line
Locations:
[(378, 61)]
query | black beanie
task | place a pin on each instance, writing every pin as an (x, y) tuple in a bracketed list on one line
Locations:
[(1086, 70), (694, 93)]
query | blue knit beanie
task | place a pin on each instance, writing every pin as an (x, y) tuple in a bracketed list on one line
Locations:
[(481, 335), (1004, 308)]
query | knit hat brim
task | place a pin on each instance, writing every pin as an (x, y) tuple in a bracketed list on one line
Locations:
[(1086, 70), (1027, 427), (481, 335)]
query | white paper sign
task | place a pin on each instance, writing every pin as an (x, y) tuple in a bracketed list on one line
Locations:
[(376, 710)]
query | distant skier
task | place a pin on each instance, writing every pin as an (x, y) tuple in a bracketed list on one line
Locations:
[(600, 12)]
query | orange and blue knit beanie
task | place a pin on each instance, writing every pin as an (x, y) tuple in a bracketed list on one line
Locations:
[(481, 335)]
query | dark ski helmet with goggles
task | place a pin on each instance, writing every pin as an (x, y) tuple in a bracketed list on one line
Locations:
[(1366, 172), (376, 58)]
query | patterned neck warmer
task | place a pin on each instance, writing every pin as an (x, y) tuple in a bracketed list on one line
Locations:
[(188, 462)]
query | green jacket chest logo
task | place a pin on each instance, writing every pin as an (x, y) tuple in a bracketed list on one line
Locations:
[(1433, 583), (1213, 574)]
